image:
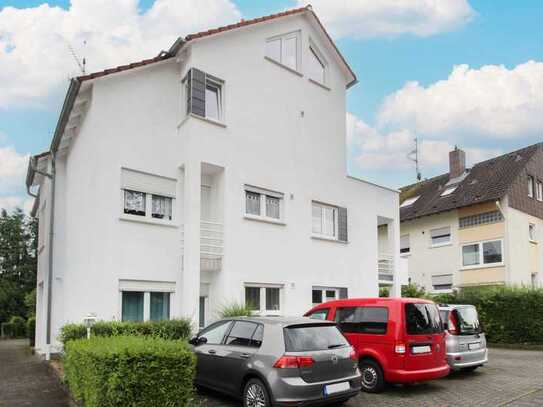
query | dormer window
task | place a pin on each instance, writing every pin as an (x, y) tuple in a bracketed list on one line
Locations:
[(409, 201), (285, 50), (449, 190)]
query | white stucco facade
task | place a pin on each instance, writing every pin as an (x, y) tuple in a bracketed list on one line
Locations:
[(279, 132)]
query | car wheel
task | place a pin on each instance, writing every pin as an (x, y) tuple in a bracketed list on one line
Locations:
[(372, 376), (255, 394)]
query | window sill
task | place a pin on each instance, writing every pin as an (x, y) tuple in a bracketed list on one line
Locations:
[(205, 119), (447, 291), (294, 71), (483, 266), (141, 219), (328, 239), (265, 220), (405, 254), (434, 246), (322, 85)]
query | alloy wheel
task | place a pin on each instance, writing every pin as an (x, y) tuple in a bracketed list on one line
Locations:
[(255, 396)]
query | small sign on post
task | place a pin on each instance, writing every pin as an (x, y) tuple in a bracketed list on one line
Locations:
[(89, 321)]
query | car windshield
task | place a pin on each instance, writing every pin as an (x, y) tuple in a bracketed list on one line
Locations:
[(468, 320), (303, 338), (422, 319)]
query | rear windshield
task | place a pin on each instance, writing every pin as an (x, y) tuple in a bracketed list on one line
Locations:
[(468, 321), (313, 337), (422, 319)]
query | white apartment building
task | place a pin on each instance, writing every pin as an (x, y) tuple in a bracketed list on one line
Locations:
[(213, 173)]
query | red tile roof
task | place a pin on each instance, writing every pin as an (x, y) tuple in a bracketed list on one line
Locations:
[(243, 23)]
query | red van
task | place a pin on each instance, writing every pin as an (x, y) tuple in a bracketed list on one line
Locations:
[(398, 340)]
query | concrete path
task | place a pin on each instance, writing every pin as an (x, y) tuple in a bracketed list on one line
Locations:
[(25, 380)]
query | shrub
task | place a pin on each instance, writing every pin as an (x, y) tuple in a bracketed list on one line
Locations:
[(235, 310), (384, 292), (130, 371), (15, 328), (168, 329), (31, 330), (413, 291)]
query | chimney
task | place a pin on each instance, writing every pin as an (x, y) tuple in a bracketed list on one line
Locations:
[(457, 162)]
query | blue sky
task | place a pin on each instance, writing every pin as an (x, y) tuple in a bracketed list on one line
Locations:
[(486, 109)]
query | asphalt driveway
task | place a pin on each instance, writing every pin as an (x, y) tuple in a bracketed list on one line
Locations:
[(512, 378)]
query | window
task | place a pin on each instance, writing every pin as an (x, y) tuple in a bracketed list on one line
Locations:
[(409, 201), (530, 186), (263, 299), (321, 314), (161, 207), (324, 294), (441, 236), (134, 202), (284, 49), (366, 320), (442, 282), (531, 232), (405, 247), (243, 334), (480, 219), (204, 95), (307, 338), (449, 190), (263, 203), (539, 191), (482, 253), (329, 221), (215, 333), (316, 66), (422, 319), (145, 305)]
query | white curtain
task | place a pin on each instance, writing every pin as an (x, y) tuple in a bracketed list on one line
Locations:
[(162, 207), (134, 201), (252, 203), (273, 207)]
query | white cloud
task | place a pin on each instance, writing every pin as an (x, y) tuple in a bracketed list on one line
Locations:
[(373, 150), (370, 18), (10, 203), (34, 53), (12, 168), (492, 101)]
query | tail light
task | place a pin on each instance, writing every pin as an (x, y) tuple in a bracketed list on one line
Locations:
[(293, 362), (399, 348), (353, 355), (452, 324)]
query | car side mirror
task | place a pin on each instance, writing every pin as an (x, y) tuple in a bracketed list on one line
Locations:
[(195, 341), (202, 340)]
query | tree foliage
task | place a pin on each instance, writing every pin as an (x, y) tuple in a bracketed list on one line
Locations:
[(18, 262)]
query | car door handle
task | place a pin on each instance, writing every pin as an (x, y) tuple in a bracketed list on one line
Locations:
[(212, 351), (245, 355)]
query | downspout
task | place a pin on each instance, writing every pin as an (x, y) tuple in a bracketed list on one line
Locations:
[(50, 259)]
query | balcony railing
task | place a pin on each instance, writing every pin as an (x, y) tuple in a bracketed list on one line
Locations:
[(211, 245), (385, 268)]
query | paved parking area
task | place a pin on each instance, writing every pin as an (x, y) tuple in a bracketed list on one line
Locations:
[(512, 378)]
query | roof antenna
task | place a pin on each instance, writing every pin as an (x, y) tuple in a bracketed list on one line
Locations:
[(80, 63), (414, 156)]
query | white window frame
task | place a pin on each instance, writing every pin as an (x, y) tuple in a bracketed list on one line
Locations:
[(531, 186), (335, 210), (282, 38), (264, 193), (409, 201), (313, 49), (147, 287), (539, 190), (262, 306), (407, 253), (481, 264), (217, 84), (448, 243), (323, 290), (532, 235), (148, 217)]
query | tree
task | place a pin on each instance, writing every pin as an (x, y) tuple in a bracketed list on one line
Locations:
[(18, 262)]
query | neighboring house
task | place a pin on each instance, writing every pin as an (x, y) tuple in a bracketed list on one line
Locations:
[(213, 173), (478, 226)]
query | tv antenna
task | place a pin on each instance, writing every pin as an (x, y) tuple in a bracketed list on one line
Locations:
[(414, 156), (81, 63)]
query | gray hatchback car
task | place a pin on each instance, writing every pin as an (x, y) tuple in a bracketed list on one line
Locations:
[(466, 342), (274, 361)]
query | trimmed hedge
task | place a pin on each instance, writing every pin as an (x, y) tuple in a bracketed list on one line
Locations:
[(130, 371), (168, 329), (509, 315), (15, 328)]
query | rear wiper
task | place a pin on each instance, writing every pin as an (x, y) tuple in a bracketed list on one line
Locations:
[(337, 345)]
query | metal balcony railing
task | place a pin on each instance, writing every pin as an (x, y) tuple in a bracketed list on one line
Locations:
[(211, 245), (385, 268)]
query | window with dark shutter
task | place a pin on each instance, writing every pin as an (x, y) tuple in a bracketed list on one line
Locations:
[(203, 94), (342, 225)]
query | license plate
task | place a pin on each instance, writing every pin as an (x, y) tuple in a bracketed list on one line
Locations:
[(421, 349), (473, 346), (336, 388)]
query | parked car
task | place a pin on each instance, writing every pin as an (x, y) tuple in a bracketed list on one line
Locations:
[(466, 342), (277, 361), (398, 340)]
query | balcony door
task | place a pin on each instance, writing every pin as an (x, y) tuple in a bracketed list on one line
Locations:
[(205, 203)]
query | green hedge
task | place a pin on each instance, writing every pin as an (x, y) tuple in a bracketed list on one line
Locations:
[(169, 329), (130, 371), (15, 328), (509, 315), (31, 330)]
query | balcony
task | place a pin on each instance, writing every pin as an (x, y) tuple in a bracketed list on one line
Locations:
[(211, 245), (385, 268)]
